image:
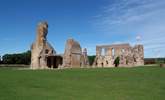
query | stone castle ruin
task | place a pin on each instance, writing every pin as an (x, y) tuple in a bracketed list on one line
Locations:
[(73, 55), (129, 56), (44, 56), (41, 49)]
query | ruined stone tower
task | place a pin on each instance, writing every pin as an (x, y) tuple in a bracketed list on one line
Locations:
[(41, 49), (85, 60)]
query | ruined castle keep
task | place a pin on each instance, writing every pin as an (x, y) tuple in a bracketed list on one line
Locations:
[(129, 56), (44, 56)]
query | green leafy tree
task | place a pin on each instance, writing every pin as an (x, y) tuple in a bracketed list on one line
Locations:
[(159, 60), (21, 58), (0, 60), (117, 61), (91, 59)]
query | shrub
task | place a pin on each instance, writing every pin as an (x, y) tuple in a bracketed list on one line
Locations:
[(117, 61), (91, 59)]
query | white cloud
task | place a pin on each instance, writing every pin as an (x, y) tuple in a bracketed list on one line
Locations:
[(124, 11), (145, 17)]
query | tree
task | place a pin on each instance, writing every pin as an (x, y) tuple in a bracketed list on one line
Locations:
[(20, 58), (117, 61), (0, 60), (91, 59)]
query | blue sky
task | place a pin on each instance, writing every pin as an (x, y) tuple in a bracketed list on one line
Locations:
[(91, 22)]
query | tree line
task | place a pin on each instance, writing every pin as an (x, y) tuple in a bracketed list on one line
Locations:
[(19, 58)]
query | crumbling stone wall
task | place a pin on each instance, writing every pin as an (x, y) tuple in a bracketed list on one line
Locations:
[(129, 56), (84, 59), (41, 49), (72, 54), (138, 55)]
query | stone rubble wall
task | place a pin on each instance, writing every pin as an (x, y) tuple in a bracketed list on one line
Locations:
[(40, 49), (73, 56), (129, 56)]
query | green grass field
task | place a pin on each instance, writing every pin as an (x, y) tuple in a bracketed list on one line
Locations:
[(141, 83)]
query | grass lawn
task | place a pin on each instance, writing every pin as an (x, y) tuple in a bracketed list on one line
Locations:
[(141, 83)]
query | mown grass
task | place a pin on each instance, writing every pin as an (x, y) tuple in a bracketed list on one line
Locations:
[(141, 83)]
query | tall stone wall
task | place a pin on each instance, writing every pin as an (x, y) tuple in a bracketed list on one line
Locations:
[(129, 56), (41, 49), (72, 54), (138, 56), (84, 58)]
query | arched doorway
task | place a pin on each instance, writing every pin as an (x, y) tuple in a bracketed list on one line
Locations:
[(54, 61)]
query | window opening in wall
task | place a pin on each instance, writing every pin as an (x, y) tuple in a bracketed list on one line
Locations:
[(113, 52), (46, 51), (103, 51)]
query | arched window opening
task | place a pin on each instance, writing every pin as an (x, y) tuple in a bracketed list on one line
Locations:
[(103, 51), (113, 52), (46, 51)]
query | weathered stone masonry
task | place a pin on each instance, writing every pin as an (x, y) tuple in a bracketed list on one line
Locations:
[(129, 56), (44, 56), (41, 49)]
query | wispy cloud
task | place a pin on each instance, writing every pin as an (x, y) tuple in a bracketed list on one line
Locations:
[(124, 11), (145, 17)]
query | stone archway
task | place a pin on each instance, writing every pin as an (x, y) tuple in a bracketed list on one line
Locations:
[(54, 61)]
